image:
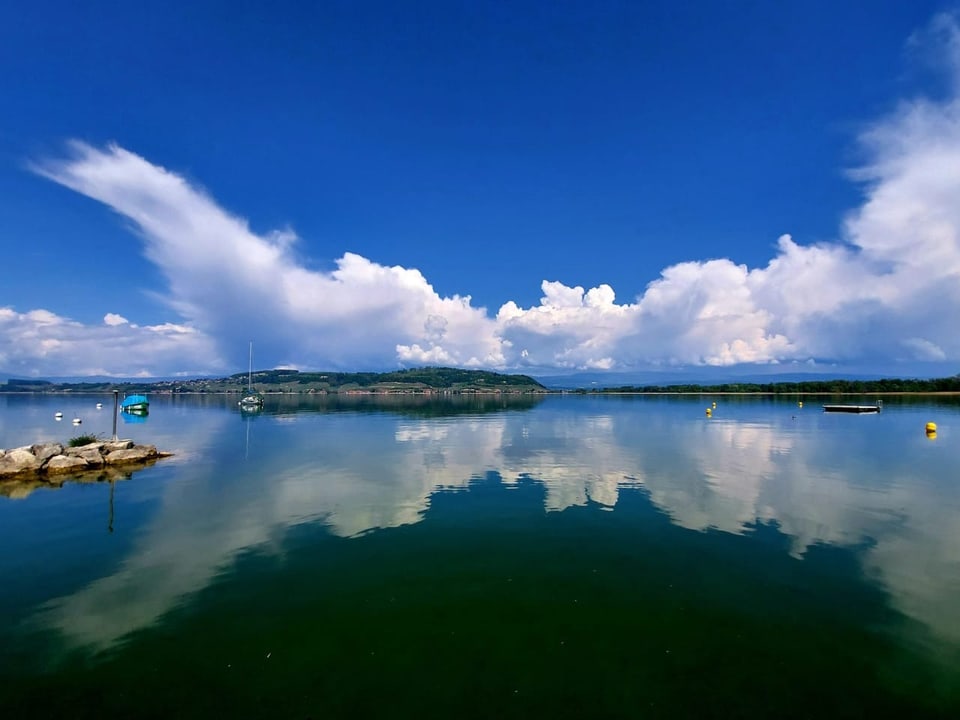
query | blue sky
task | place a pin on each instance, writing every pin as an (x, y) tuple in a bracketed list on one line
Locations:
[(540, 187)]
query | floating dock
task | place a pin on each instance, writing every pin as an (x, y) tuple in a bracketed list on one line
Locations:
[(852, 408)]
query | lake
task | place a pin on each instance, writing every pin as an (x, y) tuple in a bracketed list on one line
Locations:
[(559, 557)]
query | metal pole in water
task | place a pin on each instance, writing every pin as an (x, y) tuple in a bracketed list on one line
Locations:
[(110, 521), (116, 402)]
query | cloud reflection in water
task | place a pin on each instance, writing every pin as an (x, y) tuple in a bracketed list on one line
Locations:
[(356, 473)]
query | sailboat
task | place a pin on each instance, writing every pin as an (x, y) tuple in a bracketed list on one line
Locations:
[(252, 400)]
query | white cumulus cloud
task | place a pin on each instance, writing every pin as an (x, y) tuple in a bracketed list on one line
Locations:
[(113, 319), (41, 343), (887, 289), (231, 284)]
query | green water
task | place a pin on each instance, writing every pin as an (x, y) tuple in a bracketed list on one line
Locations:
[(575, 557)]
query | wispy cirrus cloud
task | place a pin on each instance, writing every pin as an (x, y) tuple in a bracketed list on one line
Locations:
[(888, 288)]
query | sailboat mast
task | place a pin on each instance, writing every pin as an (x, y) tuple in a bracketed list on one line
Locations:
[(250, 371)]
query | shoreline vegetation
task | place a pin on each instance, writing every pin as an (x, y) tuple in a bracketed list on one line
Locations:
[(445, 381), (424, 381)]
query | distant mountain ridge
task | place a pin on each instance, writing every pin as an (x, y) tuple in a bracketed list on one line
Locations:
[(710, 376)]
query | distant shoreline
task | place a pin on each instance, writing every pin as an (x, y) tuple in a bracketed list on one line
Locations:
[(492, 393), (429, 380), (823, 393), (446, 382), (318, 393)]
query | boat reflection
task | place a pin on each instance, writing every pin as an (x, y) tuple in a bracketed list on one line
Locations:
[(133, 418)]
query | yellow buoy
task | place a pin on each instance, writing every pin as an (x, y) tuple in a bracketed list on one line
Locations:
[(931, 427), (709, 412)]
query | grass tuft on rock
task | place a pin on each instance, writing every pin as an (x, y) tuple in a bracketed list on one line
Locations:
[(81, 440)]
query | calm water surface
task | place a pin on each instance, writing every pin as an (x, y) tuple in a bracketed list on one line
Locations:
[(564, 557)]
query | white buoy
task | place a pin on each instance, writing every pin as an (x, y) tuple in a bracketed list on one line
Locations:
[(99, 406), (77, 421), (58, 415)]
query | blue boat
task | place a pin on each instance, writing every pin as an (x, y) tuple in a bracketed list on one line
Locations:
[(135, 404)]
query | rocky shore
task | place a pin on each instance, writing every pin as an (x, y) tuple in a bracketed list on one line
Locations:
[(50, 461)]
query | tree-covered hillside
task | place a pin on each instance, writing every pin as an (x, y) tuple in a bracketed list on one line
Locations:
[(434, 378), (428, 379)]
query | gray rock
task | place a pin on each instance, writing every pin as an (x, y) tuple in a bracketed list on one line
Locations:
[(45, 451), (138, 453), (83, 448), (113, 445), (66, 463), (92, 457), (18, 461)]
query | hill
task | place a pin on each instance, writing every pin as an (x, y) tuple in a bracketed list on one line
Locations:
[(419, 380)]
